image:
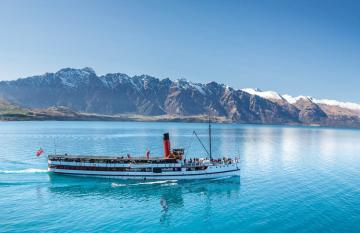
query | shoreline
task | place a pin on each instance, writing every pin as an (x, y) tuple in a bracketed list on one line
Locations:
[(164, 119)]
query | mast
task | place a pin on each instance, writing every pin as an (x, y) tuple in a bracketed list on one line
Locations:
[(208, 152), (210, 139)]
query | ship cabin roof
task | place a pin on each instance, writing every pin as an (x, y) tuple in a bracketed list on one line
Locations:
[(110, 159)]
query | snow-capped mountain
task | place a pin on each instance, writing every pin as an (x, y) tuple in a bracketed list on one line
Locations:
[(274, 96), (82, 90), (345, 105)]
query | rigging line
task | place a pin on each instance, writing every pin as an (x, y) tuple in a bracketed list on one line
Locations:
[(207, 152)]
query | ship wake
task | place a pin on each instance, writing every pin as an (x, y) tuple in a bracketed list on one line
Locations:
[(28, 170)]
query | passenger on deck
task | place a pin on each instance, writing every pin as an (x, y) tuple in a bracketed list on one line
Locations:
[(147, 153)]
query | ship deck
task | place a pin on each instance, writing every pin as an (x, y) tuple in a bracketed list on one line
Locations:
[(110, 159)]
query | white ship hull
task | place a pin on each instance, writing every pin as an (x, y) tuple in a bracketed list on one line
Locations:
[(210, 173)]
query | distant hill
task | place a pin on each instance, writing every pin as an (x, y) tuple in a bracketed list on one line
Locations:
[(76, 93)]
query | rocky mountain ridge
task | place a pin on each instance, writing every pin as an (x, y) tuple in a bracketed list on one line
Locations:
[(82, 91)]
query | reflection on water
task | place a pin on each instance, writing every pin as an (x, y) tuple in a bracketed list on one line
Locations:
[(169, 190), (168, 193)]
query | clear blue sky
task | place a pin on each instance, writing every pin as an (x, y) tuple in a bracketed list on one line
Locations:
[(296, 47)]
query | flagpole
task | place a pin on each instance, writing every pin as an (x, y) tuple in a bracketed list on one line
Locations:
[(54, 145)]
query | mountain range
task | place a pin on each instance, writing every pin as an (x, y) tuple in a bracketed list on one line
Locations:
[(83, 92)]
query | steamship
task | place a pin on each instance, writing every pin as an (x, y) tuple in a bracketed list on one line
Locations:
[(172, 165)]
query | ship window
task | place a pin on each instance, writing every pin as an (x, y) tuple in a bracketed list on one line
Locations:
[(157, 170)]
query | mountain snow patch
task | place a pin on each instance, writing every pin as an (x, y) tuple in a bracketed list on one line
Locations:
[(348, 105), (184, 84), (198, 87), (292, 100), (271, 95)]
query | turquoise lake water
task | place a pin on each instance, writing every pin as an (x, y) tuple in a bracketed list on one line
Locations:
[(293, 179)]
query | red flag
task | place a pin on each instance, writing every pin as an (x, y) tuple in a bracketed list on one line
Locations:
[(39, 152), (148, 153)]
